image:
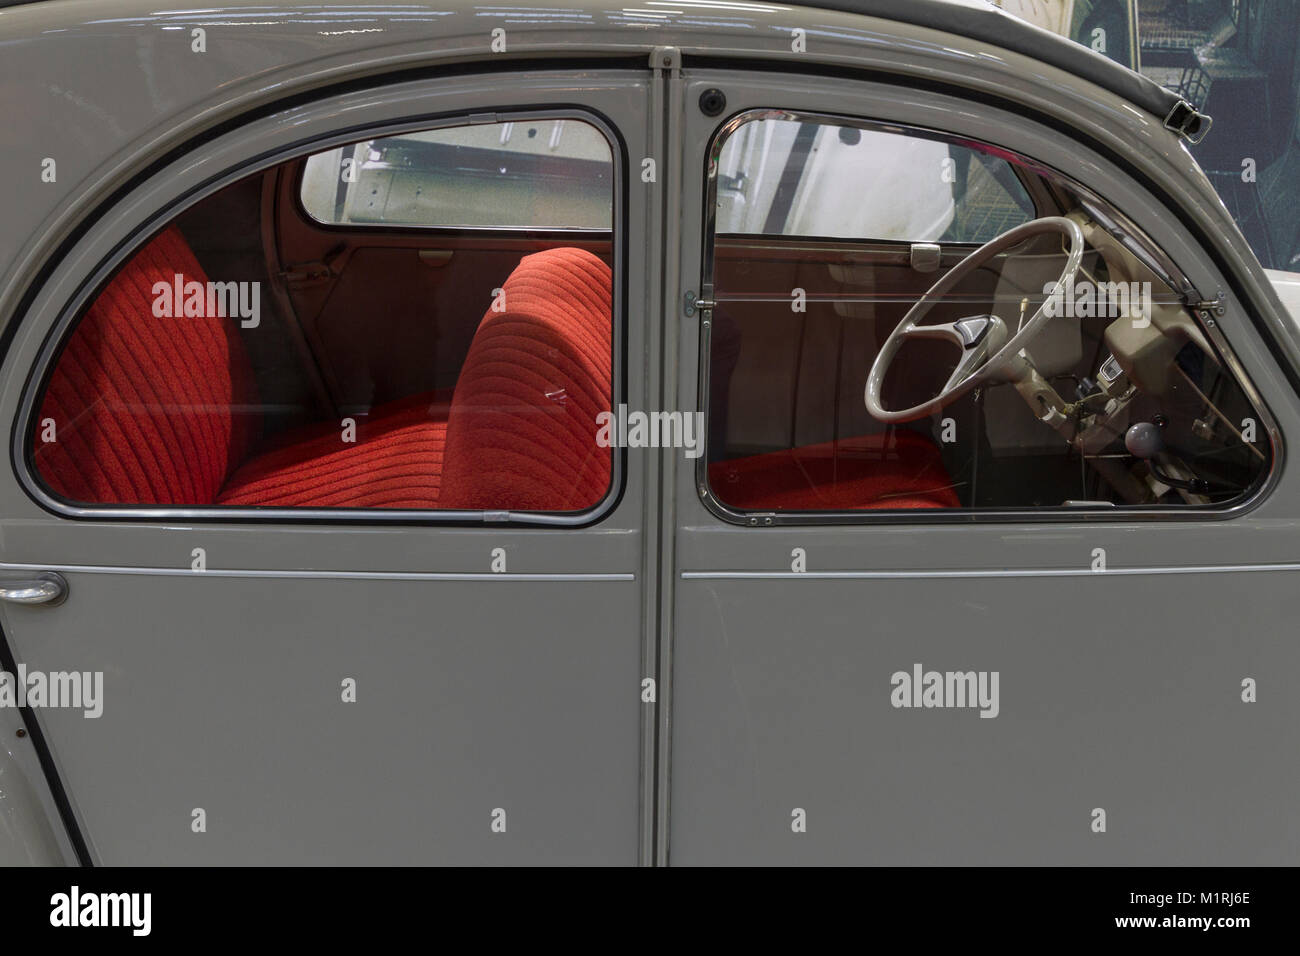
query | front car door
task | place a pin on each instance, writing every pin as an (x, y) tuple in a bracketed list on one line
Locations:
[(1007, 629)]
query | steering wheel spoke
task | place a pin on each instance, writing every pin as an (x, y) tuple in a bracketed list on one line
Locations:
[(985, 340), (947, 332), (969, 363)]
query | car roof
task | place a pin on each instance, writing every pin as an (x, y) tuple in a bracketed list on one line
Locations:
[(980, 20), (983, 22)]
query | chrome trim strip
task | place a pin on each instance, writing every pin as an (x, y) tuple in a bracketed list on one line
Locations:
[(329, 575), (989, 573)]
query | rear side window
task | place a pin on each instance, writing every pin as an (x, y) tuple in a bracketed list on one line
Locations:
[(545, 174), (258, 352)]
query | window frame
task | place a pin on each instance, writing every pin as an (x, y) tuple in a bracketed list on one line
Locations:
[(1055, 181), (27, 422)]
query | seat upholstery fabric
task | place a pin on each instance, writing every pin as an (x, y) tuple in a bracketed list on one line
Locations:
[(163, 410), (395, 462), (891, 470), (521, 435), (147, 409)]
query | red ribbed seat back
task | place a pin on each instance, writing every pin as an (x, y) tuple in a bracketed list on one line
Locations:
[(521, 433), (147, 410)]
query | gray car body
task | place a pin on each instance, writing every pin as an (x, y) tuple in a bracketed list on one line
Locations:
[(1120, 690)]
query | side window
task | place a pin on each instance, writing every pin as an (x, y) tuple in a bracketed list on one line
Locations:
[(789, 177), (547, 174), (1056, 367), (422, 321)]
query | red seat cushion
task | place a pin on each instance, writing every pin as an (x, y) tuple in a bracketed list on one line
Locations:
[(891, 470), (395, 462), (521, 435), (147, 409)]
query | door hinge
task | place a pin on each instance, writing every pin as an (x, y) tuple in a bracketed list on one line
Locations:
[(691, 304), (1198, 303)]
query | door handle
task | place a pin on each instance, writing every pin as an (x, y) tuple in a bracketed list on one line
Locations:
[(44, 587)]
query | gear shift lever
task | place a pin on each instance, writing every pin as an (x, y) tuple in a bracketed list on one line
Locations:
[(1145, 441)]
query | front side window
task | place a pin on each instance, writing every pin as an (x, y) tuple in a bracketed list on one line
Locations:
[(867, 352), (786, 177), (275, 346)]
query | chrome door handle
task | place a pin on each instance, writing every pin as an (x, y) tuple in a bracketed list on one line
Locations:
[(43, 587)]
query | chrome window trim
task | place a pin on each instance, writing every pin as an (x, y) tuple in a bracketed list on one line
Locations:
[(26, 423), (1052, 514)]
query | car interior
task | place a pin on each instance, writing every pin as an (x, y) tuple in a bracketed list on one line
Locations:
[(1114, 401), (399, 360), (425, 321)]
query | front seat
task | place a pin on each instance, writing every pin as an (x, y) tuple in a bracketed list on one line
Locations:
[(521, 435)]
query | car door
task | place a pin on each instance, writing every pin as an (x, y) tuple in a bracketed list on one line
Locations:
[(314, 685), (1112, 661)]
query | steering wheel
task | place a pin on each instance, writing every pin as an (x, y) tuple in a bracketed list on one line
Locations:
[(986, 343)]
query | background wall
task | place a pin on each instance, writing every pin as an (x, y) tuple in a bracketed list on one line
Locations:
[(1234, 59)]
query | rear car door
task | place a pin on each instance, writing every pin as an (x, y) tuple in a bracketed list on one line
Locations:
[(316, 638)]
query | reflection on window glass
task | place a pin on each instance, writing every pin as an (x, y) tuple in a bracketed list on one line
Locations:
[(792, 178), (541, 174)]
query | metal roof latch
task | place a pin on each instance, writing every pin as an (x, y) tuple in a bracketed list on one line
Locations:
[(1191, 125), (926, 256)]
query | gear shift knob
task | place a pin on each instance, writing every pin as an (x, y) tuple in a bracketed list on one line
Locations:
[(1144, 441)]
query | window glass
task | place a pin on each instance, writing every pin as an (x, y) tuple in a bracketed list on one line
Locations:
[(248, 356), (1118, 398), (787, 177), (541, 174)]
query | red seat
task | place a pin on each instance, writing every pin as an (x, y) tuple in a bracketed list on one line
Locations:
[(146, 409), (899, 469), (396, 462), (521, 435), (151, 410), (163, 410)]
